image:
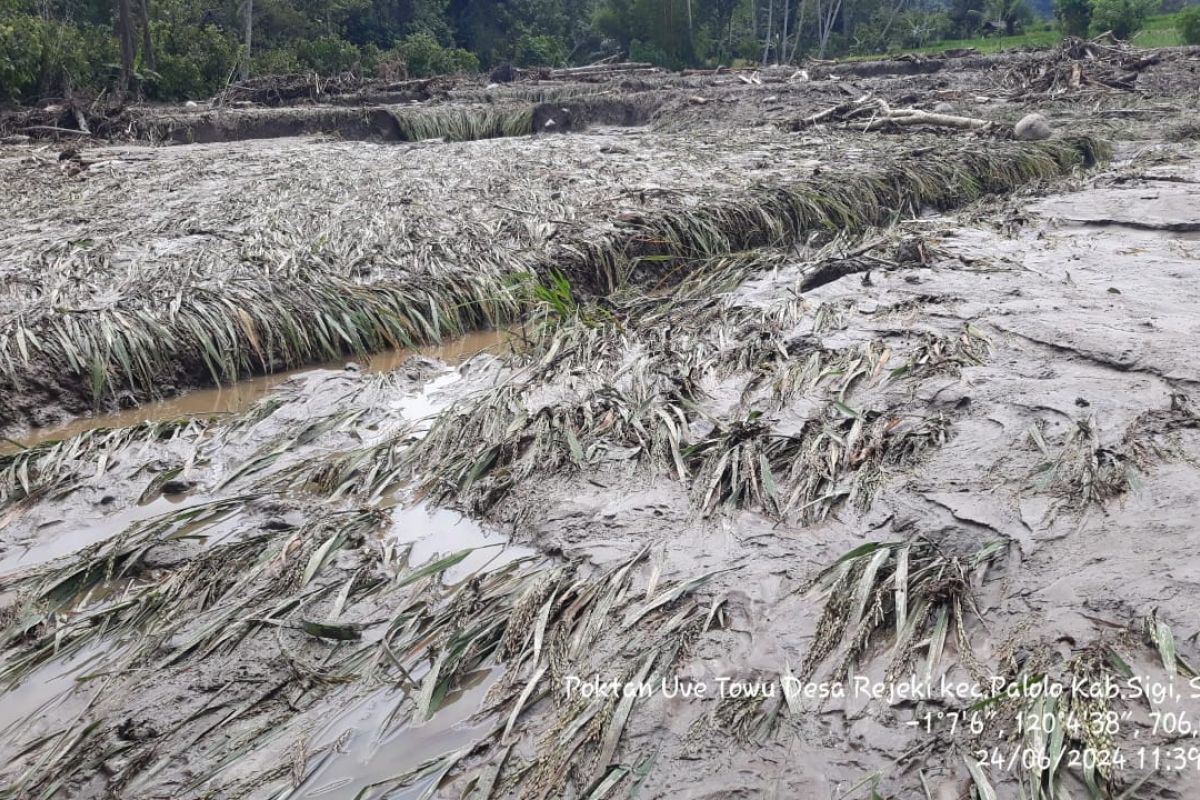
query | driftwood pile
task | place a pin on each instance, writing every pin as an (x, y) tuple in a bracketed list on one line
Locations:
[(301, 87), (73, 119), (869, 113), (1078, 65), (592, 73)]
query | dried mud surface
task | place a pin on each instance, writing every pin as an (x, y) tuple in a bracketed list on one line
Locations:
[(382, 585)]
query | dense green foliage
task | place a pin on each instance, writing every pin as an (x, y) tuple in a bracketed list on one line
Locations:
[(193, 48), (1188, 23), (1123, 17), (1075, 16)]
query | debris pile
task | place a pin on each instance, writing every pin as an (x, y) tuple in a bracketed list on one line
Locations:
[(309, 87), (1080, 65)]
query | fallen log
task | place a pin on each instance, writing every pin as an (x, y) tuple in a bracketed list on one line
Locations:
[(878, 115), (912, 116), (599, 69)]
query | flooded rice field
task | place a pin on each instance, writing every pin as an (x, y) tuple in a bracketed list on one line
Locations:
[(718, 452)]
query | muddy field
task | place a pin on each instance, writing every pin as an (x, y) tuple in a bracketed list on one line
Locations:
[(735, 435)]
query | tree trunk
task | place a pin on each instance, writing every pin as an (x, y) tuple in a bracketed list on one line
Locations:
[(825, 22), (125, 36), (781, 50), (248, 36), (147, 41), (770, 30), (799, 30)]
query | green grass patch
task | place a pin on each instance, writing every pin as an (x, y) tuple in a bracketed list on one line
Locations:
[(1160, 31)]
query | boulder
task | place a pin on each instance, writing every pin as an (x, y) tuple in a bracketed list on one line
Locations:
[(1033, 128)]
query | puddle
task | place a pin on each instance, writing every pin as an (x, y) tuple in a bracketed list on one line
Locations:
[(63, 537), (431, 533), (244, 394), (366, 752), (25, 708), (372, 751), (363, 751), (427, 402)]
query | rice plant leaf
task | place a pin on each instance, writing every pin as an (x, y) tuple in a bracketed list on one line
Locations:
[(901, 580), (937, 642), (616, 725), (1119, 664), (576, 448), (485, 783), (866, 585), (339, 602), (319, 556), (790, 691), (982, 785), (1055, 747), (329, 630), (435, 567), (539, 632), (768, 479), (669, 596), (445, 766), (859, 552), (1035, 435), (1164, 640), (846, 410), (712, 611), (521, 701), (429, 686), (718, 473), (154, 489), (610, 781)]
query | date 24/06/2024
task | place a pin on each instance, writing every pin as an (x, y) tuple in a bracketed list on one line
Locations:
[(1170, 758)]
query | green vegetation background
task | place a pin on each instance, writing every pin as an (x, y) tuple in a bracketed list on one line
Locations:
[(191, 49)]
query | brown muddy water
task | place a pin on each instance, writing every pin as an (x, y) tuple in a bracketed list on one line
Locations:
[(423, 532), (242, 395)]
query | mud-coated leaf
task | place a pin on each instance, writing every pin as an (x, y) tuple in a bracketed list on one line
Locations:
[(1164, 640), (521, 701), (669, 596), (901, 581), (609, 782), (319, 556), (434, 567), (612, 736), (982, 785), (331, 630)]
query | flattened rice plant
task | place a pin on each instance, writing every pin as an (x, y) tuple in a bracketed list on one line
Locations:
[(910, 588)]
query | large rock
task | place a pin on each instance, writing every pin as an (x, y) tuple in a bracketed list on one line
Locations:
[(1033, 128)]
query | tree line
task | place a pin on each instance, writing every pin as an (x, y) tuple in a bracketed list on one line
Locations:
[(180, 49)]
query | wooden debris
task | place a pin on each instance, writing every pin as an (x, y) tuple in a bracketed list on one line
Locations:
[(875, 114), (1082, 64)]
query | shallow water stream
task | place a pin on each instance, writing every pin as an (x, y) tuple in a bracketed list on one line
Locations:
[(242, 395)]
